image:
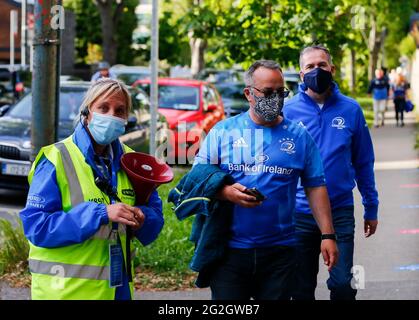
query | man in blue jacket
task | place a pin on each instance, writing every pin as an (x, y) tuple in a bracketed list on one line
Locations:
[(379, 87), (338, 127), (261, 149)]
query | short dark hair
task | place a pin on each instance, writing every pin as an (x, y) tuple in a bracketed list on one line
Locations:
[(269, 64), (314, 47)]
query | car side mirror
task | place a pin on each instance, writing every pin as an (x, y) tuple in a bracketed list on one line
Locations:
[(131, 123), (212, 107), (3, 109)]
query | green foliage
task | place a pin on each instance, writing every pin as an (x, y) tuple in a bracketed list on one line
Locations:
[(246, 30), (366, 105), (201, 20), (87, 26), (172, 250), (124, 30), (241, 31), (14, 248), (88, 29), (173, 44), (407, 46), (365, 102)]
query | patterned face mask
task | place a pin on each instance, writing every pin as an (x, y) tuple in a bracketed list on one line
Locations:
[(268, 108)]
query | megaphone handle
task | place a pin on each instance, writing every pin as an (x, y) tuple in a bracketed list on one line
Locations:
[(128, 252)]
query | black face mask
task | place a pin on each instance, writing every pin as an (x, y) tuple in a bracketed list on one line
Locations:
[(318, 80)]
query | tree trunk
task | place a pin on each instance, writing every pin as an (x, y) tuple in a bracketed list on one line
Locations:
[(109, 19), (198, 47), (375, 42)]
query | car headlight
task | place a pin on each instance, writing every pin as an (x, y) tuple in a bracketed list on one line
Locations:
[(27, 144)]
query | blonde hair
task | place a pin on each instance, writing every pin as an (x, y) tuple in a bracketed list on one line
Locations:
[(105, 87)]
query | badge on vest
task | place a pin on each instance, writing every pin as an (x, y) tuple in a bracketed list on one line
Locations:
[(128, 192), (116, 263)]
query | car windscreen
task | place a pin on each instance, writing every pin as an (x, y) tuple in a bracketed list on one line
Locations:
[(130, 78), (231, 91), (177, 97), (292, 84), (70, 101)]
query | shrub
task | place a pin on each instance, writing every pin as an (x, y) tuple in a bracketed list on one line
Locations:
[(14, 248)]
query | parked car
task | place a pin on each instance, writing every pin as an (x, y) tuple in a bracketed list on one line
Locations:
[(292, 80), (15, 127), (12, 84), (130, 74), (218, 75), (68, 77), (191, 107), (234, 100)]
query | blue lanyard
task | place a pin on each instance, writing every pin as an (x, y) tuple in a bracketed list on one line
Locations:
[(105, 175), (113, 180)]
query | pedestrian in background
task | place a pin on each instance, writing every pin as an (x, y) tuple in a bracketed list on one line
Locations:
[(77, 231), (337, 125), (399, 92), (379, 87), (103, 72)]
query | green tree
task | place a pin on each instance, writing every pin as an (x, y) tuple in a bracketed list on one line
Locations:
[(381, 24), (173, 44), (279, 29), (124, 33), (200, 22), (93, 28), (87, 26)]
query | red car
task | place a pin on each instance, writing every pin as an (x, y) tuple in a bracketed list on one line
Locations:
[(191, 108)]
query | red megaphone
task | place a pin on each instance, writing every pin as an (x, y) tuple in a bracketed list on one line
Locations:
[(146, 173)]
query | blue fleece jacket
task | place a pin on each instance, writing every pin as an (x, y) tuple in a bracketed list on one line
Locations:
[(341, 133), (47, 225)]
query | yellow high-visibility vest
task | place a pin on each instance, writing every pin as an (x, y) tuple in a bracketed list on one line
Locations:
[(78, 271)]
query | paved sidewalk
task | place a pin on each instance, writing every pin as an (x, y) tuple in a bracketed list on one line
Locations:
[(390, 259)]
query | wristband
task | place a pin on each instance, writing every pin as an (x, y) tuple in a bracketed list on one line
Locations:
[(330, 236)]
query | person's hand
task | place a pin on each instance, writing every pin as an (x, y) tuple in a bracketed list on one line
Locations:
[(125, 214), (370, 226), (330, 253), (235, 193), (140, 217)]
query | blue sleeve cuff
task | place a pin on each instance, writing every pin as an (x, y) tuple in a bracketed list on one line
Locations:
[(104, 219), (313, 182), (371, 213), (153, 223)]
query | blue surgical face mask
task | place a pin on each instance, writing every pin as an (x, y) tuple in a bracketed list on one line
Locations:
[(105, 128)]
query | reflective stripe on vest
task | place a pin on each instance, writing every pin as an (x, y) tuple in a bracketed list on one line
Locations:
[(75, 189), (65, 270), (82, 267)]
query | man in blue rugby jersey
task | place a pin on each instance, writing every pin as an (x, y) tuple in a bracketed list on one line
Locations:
[(338, 127), (261, 149)]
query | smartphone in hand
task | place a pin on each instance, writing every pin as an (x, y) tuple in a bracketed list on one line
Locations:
[(256, 193)]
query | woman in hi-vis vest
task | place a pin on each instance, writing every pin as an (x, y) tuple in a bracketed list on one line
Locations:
[(81, 204)]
